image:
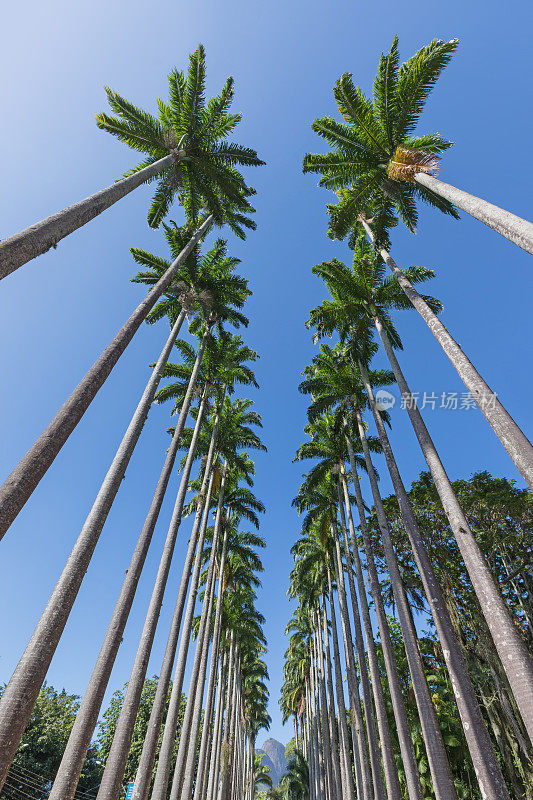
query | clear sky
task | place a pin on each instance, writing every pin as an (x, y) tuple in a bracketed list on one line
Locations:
[(59, 311)]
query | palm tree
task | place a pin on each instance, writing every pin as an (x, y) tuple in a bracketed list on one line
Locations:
[(440, 769), (185, 149), (261, 773), (360, 297), (22, 692), (376, 156), (296, 780)]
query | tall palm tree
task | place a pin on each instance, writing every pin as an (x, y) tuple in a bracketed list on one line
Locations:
[(185, 150), (315, 553), (239, 576), (376, 156), (440, 769), (360, 297)]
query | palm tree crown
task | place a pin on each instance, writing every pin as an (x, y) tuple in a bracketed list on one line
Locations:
[(375, 155), (192, 130)]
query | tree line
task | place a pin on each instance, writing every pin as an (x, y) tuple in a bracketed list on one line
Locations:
[(199, 744), (450, 713)]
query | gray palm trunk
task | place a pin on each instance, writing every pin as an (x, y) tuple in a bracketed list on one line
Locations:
[(348, 787), (364, 788), (207, 732), (514, 228), (19, 485), (508, 432), (31, 242), (318, 727), (159, 790), (335, 755), (387, 752), (403, 730), (80, 737), (229, 727), (184, 773), (111, 783), (215, 740), (484, 758), (511, 648), (313, 788), (372, 734), (186, 789), (22, 691), (333, 787), (216, 754)]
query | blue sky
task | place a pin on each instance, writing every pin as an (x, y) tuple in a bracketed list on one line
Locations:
[(60, 310)]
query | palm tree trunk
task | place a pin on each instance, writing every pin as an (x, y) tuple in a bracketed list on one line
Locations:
[(514, 228), (229, 729), (20, 248), (146, 762), (186, 791), (318, 728), (22, 691), (400, 714), (364, 788), (510, 435), (217, 738), (225, 746), (22, 481), (80, 737), (348, 788), (511, 649), (159, 790), (183, 781), (313, 789), (333, 791), (335, 754), (373, 742), (207, 732), (484, 759)]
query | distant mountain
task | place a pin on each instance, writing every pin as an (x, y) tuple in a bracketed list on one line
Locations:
[(274, 757)]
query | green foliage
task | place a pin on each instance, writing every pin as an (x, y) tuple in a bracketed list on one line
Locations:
[(204, 175), (41, 749), (358, 167), (500, 516)]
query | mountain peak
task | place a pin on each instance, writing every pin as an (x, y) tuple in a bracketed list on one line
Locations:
[(274, 757)]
